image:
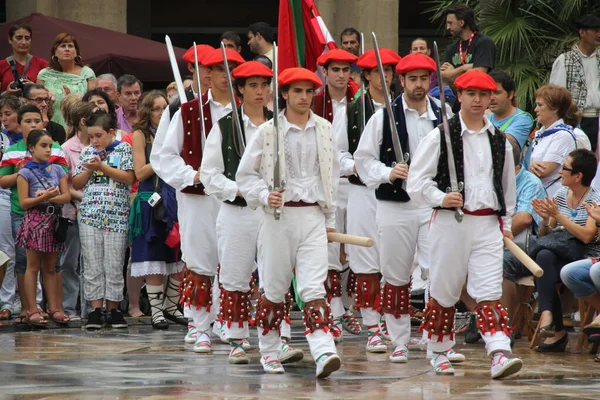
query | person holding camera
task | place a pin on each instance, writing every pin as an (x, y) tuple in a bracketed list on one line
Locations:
[(21, 68)]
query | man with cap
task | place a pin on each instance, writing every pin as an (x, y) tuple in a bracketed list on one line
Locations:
[(237, 224), (179, 159), (298, 239), (579, 71), (330, 103), (402, 224), (474, 247), (362, 204)]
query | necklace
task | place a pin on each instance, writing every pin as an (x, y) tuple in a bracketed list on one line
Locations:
[(576, 205)]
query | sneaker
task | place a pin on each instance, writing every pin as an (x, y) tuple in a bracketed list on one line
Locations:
[(399, 355), (336, 331), (375, 342), (383, 328), (441, 365), (288, 354), (455, 357), (237, 355), (350, 323), (503, 366), (191, 335), (219, 331), (246, 345), (327, 364), (203, 344), (95, 319), (271, 365), (115, 319)]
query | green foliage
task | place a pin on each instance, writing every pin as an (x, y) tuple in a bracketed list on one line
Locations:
[(529, 34)]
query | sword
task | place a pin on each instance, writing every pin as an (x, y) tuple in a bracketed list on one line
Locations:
[(363, 118), (278, 184), (235, 115), (455, 186), (400, 155), (200, 105), (175, 68)]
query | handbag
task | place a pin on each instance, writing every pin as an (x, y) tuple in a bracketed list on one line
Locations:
[(560, 242), (62, 224), (158, 210)]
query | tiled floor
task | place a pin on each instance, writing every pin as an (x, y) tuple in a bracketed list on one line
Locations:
[(147, 364)]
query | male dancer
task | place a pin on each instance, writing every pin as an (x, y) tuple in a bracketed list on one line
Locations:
[(179, 161), (298, 238), (362, 204), (402, 225), (473, 247), (237, 224), (331, 103)]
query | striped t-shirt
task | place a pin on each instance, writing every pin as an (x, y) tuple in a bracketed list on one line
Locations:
[(579, 215), (18, 153)]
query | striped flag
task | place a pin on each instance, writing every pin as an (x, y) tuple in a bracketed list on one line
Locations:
[(302, 35)]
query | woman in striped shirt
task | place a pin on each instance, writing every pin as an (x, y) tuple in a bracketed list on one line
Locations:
[(565, 211)]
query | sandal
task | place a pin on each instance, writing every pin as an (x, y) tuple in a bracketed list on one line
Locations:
[(19, 319), (546, 331), (5, 315), (39, 321), (61, 319)]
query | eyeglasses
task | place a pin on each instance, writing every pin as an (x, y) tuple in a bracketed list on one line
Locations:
[(158, 109), (565, 168), (40, 100)]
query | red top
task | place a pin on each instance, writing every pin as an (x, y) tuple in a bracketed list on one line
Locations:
[(35, 66)]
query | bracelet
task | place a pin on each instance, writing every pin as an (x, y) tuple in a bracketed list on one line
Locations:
[(547, 225)]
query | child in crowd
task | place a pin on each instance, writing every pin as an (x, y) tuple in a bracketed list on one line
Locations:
[(42, 188), (14, 158), (105, 173)]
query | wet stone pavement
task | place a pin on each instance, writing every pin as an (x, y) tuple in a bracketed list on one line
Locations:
[(140, 363)]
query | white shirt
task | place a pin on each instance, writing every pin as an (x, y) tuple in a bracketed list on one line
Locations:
[(303, 179), (340, 135), (558, 76), (553, 148), (478, 170), (339, 107), (213, 166), (367, 156), (173, 169)]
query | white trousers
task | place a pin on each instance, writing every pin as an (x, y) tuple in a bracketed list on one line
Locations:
[(197, 225), (298, 239), (237, 233), (362, 208), (333, 249), (402, 231), (472, 248)]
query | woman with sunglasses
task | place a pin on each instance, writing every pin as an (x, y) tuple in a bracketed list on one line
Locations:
[(567, 211)]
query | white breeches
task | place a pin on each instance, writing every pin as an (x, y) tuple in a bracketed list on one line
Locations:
[(361, 221)]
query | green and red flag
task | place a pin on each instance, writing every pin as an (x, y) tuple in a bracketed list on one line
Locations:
[(302, 35)]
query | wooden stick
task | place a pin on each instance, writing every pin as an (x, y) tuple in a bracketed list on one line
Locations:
[(524, 258), (349, 239)]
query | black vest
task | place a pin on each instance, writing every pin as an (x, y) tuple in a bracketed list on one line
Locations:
[(387, 155), (354, 113), (497, 147), (231, 149)]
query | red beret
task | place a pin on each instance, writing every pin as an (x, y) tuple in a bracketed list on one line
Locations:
[(202, 49), (216, 57), (298, 74), (337, 55), (475, 79), (252, 68), (369, 61), (415, 61)]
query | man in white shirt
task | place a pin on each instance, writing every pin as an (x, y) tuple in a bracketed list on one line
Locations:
[(179, 165), (362, 204), (238, 225), (402, 225), (298, 239), (260, 39), (483, 161), (579, 71)]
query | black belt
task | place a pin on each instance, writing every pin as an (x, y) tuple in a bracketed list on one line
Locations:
[(48, 209)]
